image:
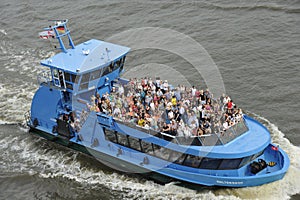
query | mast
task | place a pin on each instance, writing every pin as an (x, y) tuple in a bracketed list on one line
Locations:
[(58, 31)]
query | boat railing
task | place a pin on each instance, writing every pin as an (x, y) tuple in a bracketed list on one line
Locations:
[(149, 131), (233, 132), (203, 140)]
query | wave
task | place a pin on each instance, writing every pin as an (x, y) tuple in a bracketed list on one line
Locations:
[(289, 8)]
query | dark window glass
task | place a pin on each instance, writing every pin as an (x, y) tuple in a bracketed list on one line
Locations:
[(163, 153), (210, 163), (111, 67), (55, 73), (95, 74), (155, 148), (69, 86), (110, 135), (180, 159), (122, 139), (85, 78), (123, 60), (67, 76), (256, 155), (134, 143), (245, 161), (192, 161), (116, 65), (105, 70), (230, 163), (83, 86), (74, 78), (174, 156), (147, 147)]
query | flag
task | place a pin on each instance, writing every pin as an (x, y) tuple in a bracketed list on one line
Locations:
[(46, 34), (61, 29)]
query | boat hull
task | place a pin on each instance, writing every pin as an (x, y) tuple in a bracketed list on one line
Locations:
[(169, 174)]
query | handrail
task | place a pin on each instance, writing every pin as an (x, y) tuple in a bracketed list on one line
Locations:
[(205, 140)]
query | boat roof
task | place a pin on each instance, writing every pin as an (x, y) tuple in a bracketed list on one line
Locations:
[(86, 56)]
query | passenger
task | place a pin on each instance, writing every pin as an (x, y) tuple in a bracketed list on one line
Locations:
[(121, 90), (206, 126), (200, 132), (193, 90), (117, 112), (174, 101), (173, 128), (165, 128), (141, 121)]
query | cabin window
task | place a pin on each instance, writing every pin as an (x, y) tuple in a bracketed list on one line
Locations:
[(210, 163), (230, 163), (111, 67), (106, 70), (55, 73), (117, 64), (67, 77), (180, 159), (134, 143), (69, 86), (110, 135), (74, 78), (95, 74), (83, 86), (256, 155), (245, 161), (174, 155), (85, 78), (84, 83), (192, 161), (147, 147), (162, 152), (123, 60), (122, 139)]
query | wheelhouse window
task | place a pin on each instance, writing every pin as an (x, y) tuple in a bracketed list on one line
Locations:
[(95, 74), (84, 82), (69, 79)]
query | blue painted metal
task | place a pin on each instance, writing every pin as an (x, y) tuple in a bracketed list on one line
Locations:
[(53, 99)]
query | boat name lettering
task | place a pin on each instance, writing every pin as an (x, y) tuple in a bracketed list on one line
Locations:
[(230, 182)]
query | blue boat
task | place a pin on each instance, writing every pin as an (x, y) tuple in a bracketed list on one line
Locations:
[(66, 110)]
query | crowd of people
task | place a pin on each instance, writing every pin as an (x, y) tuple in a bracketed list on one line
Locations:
[(178, 111)]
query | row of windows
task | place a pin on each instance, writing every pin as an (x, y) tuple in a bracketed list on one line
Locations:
[(96, 74), (72, 78), (113, 66), (174, 156)]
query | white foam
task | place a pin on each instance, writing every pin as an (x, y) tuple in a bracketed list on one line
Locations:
[(3, 31)]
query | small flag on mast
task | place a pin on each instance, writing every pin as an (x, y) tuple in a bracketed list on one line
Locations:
[(61, 30), (46, 34)]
